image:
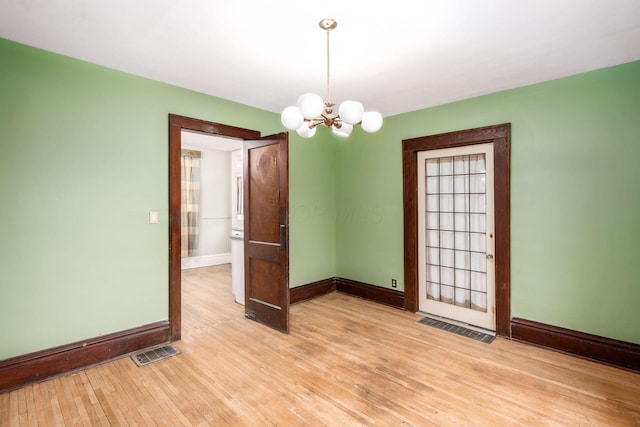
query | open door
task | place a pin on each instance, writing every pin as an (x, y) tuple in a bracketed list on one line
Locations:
[(266, 236)]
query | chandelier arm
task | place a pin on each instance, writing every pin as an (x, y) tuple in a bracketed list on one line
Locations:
[(314, 122)]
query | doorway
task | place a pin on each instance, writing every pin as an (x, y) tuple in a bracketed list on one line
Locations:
[(177, 124), (210, 210), (416, 247)]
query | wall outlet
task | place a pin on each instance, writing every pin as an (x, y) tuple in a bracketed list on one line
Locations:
[(394, 283)]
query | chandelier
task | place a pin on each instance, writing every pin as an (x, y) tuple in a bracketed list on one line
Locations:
[(312, 111)]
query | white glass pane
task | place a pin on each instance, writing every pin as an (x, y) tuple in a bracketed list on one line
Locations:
[(432, 220), (433, 204), (433, 291), (446, 184), (462, 240), (461, 203), (463, 279), (461, 165), (446, 203), (479, 301), (478, 262), (477, 183), (433, 185), (446, 221), (477, 203), (433, 273), (477, 163), (478, 223), (460, 185), (446, 294), (479, 282), (433, 238), (478, 242), (446, 239), (446, 276), (433, 256), (446, 166), (446, 257), (463, 298), (461, 222), (463, 259), (432, 167)]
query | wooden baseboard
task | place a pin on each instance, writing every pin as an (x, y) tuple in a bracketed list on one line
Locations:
[(347, 286), (311, 290), (606, 350), (34, 367), (370, 292)]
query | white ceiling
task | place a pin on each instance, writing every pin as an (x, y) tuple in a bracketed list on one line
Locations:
[(394, 56)]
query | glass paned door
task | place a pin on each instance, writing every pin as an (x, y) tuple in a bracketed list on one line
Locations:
[(455, 226)]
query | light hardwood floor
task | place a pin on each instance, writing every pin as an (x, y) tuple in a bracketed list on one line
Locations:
[(346, 362)]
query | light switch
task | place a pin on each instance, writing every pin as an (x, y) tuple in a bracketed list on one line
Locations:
[(153, 217)]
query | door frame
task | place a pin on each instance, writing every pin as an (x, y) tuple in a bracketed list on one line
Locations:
[(176, 125), (500, 136)]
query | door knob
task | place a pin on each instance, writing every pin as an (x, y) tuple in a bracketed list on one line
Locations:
[(489, 256)]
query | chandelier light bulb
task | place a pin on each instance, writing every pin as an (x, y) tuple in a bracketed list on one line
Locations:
[(371, 121), (344, 130), (305, 131), (351, 112), (310, 105), (291, 118)]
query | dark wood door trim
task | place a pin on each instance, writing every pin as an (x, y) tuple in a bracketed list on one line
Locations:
[(500, 135), (176, 125)]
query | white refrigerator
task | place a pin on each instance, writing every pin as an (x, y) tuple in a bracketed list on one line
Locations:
[(237, 227)]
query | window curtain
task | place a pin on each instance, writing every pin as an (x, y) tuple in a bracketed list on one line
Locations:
[(456, 231), (190, 204)]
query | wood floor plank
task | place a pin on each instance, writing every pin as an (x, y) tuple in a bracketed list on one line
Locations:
[(5, 411), (41, 399), (19, 407), (127, 393), (345, 362)]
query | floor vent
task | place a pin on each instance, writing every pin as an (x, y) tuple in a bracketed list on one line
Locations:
[(147, 356), (459, 330)]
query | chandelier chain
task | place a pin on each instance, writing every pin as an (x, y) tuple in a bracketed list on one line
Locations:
[(328, 70)]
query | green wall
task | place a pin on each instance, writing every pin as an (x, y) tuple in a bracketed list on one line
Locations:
[(312, 210), (575, 199), (83, 159)]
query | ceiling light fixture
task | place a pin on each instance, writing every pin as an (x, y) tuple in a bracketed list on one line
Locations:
[(312, 111)]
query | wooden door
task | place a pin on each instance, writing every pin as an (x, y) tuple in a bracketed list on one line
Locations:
[(266, 196)]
